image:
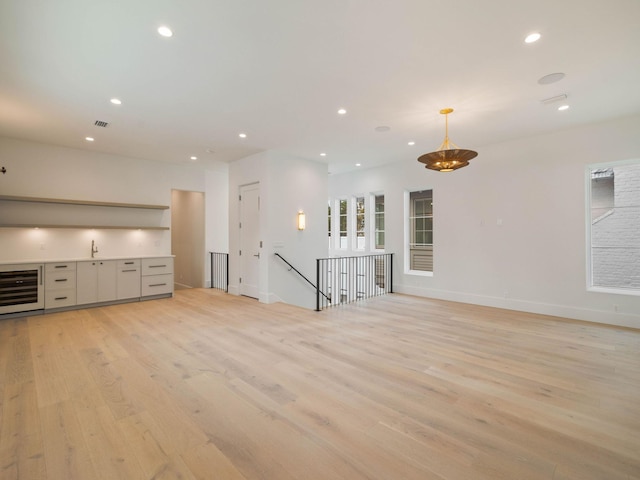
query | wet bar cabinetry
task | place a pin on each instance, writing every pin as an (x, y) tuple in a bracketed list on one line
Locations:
[(83, 283), (96, 281), (59, 285), (157, 276), (128, 278)]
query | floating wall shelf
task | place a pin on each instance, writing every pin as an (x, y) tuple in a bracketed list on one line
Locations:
[(78, 214), (88, 227), (82, 202)]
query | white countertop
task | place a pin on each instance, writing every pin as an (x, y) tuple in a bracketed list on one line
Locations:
[(80, 259)]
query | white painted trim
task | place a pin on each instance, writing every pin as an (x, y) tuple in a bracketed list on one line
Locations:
[(630, 320)]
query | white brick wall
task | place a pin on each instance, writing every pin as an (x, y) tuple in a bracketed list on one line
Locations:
[(616, 238)]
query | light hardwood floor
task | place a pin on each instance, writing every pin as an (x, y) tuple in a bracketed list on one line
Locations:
[(211, 386)]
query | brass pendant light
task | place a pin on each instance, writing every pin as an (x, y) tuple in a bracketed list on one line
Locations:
[(449, 156)]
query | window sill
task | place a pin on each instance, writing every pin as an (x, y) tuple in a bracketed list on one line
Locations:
[(616, 291), (419, 273)]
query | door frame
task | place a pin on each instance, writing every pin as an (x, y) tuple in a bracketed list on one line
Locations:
[(249, 247)]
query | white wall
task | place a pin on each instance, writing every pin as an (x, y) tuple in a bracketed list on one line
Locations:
[(510, 228), (287, 185), (40, 170)]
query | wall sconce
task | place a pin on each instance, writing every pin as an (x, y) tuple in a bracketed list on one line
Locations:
[(301, 220)]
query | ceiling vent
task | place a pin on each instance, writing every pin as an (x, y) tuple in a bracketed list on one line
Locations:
[(101, 123), (555, 99)]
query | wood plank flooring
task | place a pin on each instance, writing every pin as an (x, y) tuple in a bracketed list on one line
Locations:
[(212, 386)]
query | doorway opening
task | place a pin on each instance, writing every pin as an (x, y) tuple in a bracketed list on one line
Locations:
[(187, 238)]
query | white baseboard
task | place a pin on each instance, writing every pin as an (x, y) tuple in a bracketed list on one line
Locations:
[(567, 311)]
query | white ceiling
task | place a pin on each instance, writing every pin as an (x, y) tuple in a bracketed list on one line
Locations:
[(280, 69)]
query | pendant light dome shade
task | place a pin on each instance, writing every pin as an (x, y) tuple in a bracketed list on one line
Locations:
[(449, 156)]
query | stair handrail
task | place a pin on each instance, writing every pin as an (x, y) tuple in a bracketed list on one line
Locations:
[(317, 289)]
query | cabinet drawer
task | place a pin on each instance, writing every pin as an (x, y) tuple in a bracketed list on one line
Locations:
[(60, 267), (157, 284), (128, 263), (157, 266), (55, 280), (59, 298), (128, 282)]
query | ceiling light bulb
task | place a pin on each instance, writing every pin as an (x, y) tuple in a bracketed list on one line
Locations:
[(165, 31), (194, 158), (242, 135), (323, 154), (411, 143), (116, 101), (562, 108), (532, 37), (342, 111), (89, 139), (357, 164)]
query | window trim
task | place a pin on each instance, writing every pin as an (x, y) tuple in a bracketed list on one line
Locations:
[(355, 223), (588, 229), (339, 230), (372, 216), (407, 232)]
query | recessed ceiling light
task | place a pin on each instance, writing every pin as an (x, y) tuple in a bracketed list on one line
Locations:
[(323, 154), (89, 139), (116, 101), (242, 135), (165, 31), (194, 158), (411, 143), (562, 108), (342, 111), (532, 37), (357, 164)]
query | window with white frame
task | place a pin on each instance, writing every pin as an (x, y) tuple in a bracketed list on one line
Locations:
[(613, 226), (421, 230), (342, 217), (329, 219), (360, 223), (378, 232)]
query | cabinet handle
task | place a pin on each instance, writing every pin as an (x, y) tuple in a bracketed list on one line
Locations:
[(128, 263), (61, 298), (130, 270), (156, 266), (157, 285), (61, 266), (61, 279)]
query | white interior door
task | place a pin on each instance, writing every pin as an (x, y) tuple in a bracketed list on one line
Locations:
[(249, 240)]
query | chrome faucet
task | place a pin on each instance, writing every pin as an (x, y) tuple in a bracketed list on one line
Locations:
[(94, 249)]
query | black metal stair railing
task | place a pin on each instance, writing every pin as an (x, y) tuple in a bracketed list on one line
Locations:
[(343, 280), (348, 279), (219, 271)]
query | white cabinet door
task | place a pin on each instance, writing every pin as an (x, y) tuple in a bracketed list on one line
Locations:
[(128, 281), (96, 281), (87, 286), (107, 278)]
